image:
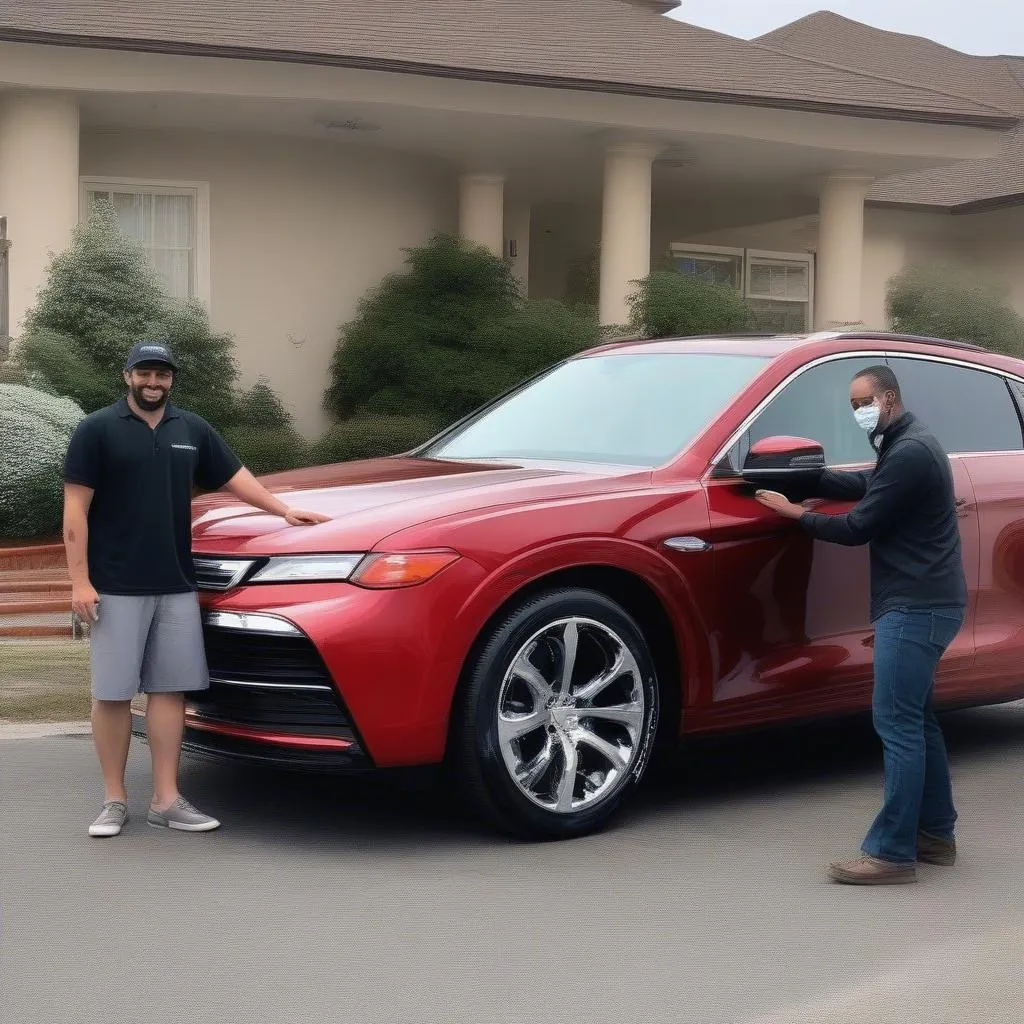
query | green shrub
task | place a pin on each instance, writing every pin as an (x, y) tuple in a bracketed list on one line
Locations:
[(35, 429), (260, 406), (445, 335), (583, 282), (371, 437), (60, 365), (669, 304), (101, 297), (268, 449), (957, 304)]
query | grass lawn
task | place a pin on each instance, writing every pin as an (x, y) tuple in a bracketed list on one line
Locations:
[(44, 680)]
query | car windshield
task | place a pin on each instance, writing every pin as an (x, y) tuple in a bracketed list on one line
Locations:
[(629, 409)]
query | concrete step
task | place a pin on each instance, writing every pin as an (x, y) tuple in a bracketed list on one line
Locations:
[(56, 575), (32, 556), (36, 624), (34, 606)]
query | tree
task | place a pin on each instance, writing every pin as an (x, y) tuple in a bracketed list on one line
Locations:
[(101, 297), (668, 304), (957, 304), (452, 331)]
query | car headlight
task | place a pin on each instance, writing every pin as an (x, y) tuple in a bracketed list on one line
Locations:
[(307, 569), (378, 571)]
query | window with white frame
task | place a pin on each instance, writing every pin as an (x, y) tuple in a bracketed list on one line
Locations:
[(778, 286), (168, 219)]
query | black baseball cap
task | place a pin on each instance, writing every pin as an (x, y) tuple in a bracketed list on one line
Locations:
[(150, 352)]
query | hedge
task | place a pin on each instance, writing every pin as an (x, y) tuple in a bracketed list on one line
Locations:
[(35, 429), (371, 437)]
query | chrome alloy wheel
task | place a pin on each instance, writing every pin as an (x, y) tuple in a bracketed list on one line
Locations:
[(571, 712)]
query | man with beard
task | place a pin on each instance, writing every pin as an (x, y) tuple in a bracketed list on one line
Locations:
[(128, 485), (906, 512)]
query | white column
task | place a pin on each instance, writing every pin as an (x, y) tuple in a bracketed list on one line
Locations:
[(517, 228), (626, 226), (482, 210), (38, 189), (839, 293)]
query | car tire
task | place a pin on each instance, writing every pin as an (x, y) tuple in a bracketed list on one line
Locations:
[(508, 727)]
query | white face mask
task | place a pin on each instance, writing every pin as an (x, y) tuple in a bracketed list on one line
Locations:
[(867, 417)]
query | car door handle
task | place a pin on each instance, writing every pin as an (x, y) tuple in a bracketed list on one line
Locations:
[(688, 545)]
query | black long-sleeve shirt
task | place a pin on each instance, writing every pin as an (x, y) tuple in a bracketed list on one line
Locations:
[(906, 511)]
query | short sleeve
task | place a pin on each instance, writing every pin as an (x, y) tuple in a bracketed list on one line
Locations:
[(217, 462), (83, 461)]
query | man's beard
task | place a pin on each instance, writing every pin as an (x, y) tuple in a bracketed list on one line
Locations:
[(149, 405)]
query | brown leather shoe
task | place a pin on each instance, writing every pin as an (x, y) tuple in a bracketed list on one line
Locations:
[(933, 850), (872, 871)]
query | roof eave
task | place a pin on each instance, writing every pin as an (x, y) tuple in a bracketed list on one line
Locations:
[(952, 209), (995, 121)]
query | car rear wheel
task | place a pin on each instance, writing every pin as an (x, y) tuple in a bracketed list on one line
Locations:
[(557, 716)]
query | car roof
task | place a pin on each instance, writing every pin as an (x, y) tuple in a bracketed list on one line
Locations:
[(774, 346)]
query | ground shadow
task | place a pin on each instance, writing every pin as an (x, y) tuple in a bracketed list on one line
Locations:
[(395, 811)]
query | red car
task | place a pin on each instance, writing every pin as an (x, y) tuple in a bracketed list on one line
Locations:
[(579, 569)]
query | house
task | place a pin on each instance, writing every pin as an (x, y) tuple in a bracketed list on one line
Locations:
[(276, 156)]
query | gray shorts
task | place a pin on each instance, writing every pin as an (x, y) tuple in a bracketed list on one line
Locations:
[(152, 644)]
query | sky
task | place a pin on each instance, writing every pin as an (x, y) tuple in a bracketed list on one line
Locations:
[(973, 26)]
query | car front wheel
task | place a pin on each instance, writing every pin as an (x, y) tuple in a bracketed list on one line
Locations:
[(557, 715)]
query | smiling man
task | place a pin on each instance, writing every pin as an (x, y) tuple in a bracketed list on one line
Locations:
[(906, 512), (128, 484)]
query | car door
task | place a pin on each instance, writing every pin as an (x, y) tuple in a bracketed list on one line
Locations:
[(791, 633), (973, 414)]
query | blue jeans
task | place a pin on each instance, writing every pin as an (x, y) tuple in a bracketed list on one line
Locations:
[(918, 792)]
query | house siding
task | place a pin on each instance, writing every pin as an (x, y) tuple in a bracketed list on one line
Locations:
[(299, 232)]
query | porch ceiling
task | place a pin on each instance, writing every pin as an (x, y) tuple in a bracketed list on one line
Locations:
[(544, 159)]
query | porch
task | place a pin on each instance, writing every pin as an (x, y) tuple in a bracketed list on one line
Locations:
[(280, 195)]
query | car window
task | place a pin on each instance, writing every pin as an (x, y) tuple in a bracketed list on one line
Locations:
[(967, 410), (626, 408), (815, 405)]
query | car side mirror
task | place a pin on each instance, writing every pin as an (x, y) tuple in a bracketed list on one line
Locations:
[(791, 465)]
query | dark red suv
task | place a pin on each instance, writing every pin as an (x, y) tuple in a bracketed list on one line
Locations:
[(538, 593)]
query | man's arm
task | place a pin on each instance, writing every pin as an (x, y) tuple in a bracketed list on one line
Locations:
[(84, 599), (891, 489), (220, 467), (841, 485)]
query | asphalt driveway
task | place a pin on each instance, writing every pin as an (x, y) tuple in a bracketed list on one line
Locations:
[(324, 900)]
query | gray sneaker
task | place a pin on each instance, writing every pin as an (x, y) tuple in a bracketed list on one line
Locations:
[(183, 816), (111, 819)]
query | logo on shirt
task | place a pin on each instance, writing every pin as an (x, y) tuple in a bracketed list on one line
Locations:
[(186, 447)]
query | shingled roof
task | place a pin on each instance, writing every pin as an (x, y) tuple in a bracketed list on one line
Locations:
[(597, 45), (997, 81)]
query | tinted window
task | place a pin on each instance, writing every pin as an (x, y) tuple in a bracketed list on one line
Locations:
[(967, 410), (816, 405), (633, 409)]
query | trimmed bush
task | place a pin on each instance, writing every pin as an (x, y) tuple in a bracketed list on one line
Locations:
[(35, 429), (668, 304), (102, 297), (957, 304), (260, 406), (450, 332), (371, 437), (268, 449)]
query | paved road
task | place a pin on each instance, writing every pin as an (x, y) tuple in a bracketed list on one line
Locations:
[(335, 901)]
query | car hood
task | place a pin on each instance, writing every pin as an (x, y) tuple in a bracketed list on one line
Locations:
[(370, 500)]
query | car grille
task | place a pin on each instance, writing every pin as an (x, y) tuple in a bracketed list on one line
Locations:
[(277, 683), (219, 573)]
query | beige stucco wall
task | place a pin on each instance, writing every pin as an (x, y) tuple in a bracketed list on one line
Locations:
[(298, 232)]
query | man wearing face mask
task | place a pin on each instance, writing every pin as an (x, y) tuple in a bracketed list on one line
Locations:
[(906, 511), (128, 482)]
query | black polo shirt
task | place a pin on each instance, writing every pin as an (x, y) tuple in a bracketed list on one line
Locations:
[(140, 522)]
